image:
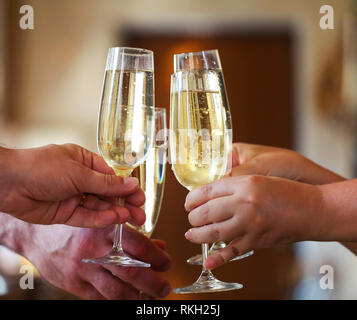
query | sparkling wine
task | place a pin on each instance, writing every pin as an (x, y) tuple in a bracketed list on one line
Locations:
[(200, 121), (151, 175), (123, 132)]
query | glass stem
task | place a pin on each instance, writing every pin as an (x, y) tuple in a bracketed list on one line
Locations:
[(205, 273), (206, 276), (118, 232), (204, 254)]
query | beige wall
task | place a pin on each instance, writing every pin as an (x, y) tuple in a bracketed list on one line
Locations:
[(61, 65), (63, 60), (2, 62)]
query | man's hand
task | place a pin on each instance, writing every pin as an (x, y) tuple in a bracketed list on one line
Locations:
[(57, 251), (253, 212), (66, 184)]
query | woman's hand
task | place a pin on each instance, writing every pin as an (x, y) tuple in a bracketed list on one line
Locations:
[(253, 212), (66, 184), (250, 159)]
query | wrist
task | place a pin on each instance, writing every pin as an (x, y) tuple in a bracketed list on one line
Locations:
[(309, 220), (15, 234), (338, 212)]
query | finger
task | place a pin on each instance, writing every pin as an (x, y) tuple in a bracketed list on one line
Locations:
[(143, 279), (92, 160), (208, 192), (245, 169), (220, 231), (243, 152), (125, 214), (145, 250), (95, 203), (137, 215), (99, 164), (235, 154), (88, 292), (111, 287), (160, 243), (136, 199), (87, 218), (235, 248), (86, 180), (215, 210)]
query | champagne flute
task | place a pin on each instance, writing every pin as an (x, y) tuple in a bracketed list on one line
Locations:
[(200, 136), (151, 175), (125, 126), (197, 259)]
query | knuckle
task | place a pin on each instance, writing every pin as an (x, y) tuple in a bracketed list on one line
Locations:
[(234, 251), (215, 234), (207, 190), (204, 214), (254, 181), (253, 193), (70, 146), (259, 221), (199, 216), (108, 181), (221, 259), (266, 239)]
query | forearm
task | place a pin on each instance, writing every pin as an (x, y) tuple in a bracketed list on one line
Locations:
[(312, 173), (339, 212)]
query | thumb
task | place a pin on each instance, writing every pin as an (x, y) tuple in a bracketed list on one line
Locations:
[(244, 169), (104, 184)]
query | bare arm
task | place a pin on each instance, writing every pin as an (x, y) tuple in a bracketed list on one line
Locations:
[(57, 250)]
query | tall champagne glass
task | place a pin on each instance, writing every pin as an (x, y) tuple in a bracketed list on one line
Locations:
[(151, 174), (126, 126), (197, 259), (200, 136)]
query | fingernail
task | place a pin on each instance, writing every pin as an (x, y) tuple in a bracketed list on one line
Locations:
[(165, 290), (131, 182), (188, 235)]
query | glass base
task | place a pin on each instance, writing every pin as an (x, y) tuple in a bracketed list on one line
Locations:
[(208, 283), (197, 259), (118, 258)]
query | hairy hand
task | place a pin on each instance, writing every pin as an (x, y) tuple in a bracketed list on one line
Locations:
[(57, 252), (66, 184)]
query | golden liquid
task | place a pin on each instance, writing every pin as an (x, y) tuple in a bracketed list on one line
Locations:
[(200, 146), (151, 175), (125, 125)]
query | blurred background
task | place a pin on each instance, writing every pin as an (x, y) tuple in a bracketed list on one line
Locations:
[(290, 84)]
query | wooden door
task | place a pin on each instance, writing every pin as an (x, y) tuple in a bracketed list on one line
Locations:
[(258, 71)]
